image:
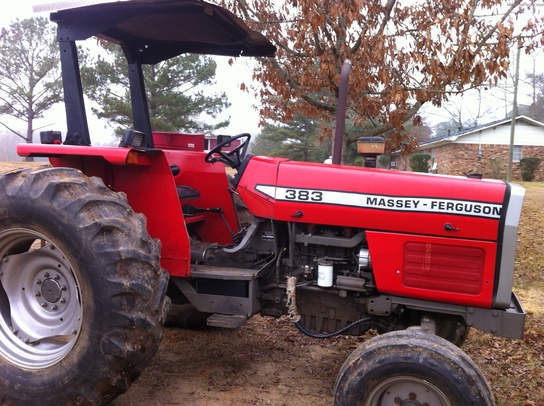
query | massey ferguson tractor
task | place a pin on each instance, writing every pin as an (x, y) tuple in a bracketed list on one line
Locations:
[(95, 246)]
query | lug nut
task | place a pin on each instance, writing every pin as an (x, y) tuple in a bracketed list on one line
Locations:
[(44, 304), (37, 294)]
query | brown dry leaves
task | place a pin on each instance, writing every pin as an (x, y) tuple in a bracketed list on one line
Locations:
[(530, 251), (402, 52), (513, 368)]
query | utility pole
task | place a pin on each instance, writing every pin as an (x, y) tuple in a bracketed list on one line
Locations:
[(514, 114)]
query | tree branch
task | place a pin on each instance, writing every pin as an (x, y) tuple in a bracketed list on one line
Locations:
[(494, 29), (296, 86), (385, 127), (13, 131)]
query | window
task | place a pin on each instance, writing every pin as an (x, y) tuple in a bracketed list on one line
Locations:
[(517, 153)]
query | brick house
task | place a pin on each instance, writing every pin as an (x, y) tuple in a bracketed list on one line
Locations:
[(483, 149)]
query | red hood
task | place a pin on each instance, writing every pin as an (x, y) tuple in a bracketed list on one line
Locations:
[(373, 199)]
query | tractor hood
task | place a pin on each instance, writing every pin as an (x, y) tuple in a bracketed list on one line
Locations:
[(153, 30), (375, 199)]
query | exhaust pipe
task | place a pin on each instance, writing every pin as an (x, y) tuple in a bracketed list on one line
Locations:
[(341, 114)]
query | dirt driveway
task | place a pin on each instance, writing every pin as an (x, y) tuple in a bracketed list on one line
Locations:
[(265, 362)]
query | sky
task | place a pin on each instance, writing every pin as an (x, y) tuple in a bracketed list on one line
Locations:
[(243, 116)]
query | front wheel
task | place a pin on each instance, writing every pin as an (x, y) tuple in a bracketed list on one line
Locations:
[(409, 368), (82, 293)]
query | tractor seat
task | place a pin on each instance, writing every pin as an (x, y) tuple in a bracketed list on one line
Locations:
[(190, 214), (187, 193), (184, 192)]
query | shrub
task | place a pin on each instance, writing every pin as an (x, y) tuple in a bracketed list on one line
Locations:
[(496, 168), (420, 163), (528, 167), (384, 161)]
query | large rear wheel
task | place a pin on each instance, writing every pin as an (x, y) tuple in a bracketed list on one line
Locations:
[(410, 368), (82, 293)]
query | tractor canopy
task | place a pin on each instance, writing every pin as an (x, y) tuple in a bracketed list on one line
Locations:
[(148, 31), (153, 31)]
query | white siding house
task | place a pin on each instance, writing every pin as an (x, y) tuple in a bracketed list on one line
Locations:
[(484, 149)]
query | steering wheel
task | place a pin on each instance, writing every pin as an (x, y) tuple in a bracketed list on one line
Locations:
[(234, 157)]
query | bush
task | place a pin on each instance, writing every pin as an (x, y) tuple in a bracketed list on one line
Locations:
[(496, 168), (420, 163), (384, 161), (528, 167)]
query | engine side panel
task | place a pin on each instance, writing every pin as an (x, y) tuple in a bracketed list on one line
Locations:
[(439, 269)]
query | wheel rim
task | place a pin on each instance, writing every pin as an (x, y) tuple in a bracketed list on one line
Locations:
[(40, 304), (407, 391)]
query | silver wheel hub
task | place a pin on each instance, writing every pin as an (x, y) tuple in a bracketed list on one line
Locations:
[(40, 305), (51, 290), (407, 391)]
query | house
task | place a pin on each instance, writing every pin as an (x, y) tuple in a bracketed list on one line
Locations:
[(483, 149)]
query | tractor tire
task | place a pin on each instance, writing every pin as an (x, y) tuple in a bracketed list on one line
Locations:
[(82, 292), (410, 367)]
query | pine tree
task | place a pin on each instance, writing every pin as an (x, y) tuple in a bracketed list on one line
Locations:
[(175, 90)]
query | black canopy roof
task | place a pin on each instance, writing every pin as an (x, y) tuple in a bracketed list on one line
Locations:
[(151, 31)]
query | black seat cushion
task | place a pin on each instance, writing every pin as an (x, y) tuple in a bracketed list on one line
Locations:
[(187, 193)]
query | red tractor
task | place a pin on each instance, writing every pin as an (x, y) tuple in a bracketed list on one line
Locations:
[(94, 247)]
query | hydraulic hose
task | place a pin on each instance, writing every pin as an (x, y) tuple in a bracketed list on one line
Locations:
[(368, 322)]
